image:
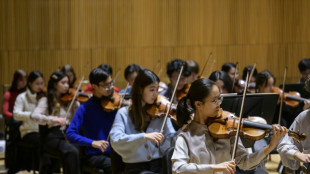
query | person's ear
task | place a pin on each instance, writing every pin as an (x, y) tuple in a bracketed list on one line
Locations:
[(198, 104)]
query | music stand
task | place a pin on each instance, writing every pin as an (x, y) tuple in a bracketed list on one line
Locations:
[(258, 104), (299, 87)]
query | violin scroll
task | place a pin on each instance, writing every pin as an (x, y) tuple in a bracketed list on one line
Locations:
[(297, 136)]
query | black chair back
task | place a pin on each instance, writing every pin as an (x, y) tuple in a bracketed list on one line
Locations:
[(166, 162)]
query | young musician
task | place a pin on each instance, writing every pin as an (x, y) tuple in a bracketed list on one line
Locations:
[(12, 152), (91, 124), (18, 86), (304, 69), (69, 71), (107, 68), (223, 81), (291, 151), (173, 69), (24, 105), (53, 112), (194, 68), (230, 69), (196, 151), (131, 72), (135, 135)]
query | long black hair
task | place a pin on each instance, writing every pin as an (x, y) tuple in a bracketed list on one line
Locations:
[(18, 75), (262, 79), (227, 66), (51, 90), (222, 75), (32, 77), (136, 112), (199, 90), (69, 68)]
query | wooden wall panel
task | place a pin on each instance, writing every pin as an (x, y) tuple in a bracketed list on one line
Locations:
[(44, 35)]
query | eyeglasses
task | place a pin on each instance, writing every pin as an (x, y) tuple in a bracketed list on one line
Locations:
[(107, 86), (217, 101)]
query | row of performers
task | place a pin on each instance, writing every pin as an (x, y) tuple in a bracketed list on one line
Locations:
[(132, 131)]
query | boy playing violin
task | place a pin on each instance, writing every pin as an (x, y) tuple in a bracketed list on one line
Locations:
[(94, 123), (196, 151), (173, 70)]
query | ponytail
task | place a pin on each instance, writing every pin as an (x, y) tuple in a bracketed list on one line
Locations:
[(184, 111)]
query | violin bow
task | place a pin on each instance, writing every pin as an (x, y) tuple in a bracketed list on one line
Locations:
[(74, 97), (282, 96), (171, 99), (252, 72), (211, 67), (233, 85), (204, 66), (122, 98), (156, 66), (116, 75), (240, 115)]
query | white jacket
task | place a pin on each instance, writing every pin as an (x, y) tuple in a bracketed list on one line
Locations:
[(25, 103)]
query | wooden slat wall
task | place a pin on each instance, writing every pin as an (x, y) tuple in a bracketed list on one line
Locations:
[(44, 35)]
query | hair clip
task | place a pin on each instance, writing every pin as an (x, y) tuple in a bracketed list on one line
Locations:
[(54, 77)]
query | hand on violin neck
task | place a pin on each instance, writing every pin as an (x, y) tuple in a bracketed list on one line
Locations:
[(306, 104), (155, 137), (278, 133), (100, 144)]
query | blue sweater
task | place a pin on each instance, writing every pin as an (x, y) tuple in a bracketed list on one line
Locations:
[(132, 145), (93, 122)]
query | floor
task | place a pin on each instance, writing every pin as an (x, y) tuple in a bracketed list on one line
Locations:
[(271, 166)]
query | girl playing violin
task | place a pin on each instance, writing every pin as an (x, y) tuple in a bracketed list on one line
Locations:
[(195, 150), (135, 135), (18, 86), (69, 71), (24, 105), (51, 111), (223, 81)]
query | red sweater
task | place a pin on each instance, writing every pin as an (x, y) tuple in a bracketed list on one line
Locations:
[(8, 103), (89, 88)]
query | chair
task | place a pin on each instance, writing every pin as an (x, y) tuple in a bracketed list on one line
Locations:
[(118, 166), (166, 161), (12, 136), (86, 169), (47, 153), (33, 149)]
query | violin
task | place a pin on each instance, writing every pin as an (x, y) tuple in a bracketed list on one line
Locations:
[(183, 92), (159, 108), (113, 102), (252, 128), (68, 97), (291, 98), (240, 86), (41, 94)]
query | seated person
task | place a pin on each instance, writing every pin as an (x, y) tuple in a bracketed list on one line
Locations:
[(94, 123), (291, 151), (68, 69), (304, 69), (196, 151), (194, 68), (107, 68), (135, 135), (223, 81), (130, 74), (173, 71), (25, 103)]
